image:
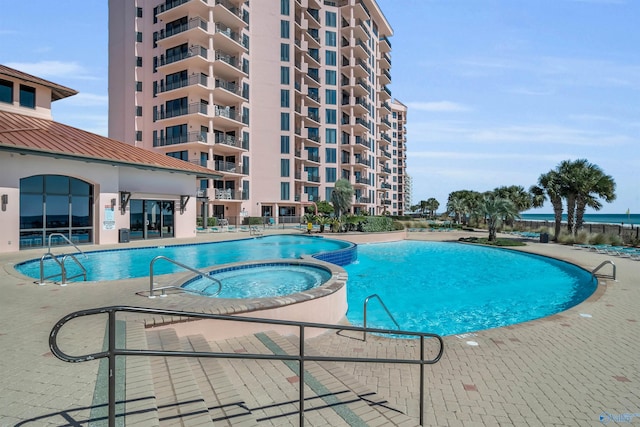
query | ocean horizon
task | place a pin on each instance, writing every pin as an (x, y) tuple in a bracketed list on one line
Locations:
[(625, 219)]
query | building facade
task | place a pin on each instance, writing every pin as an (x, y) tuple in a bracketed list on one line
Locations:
[(281, 98), (61, 185)]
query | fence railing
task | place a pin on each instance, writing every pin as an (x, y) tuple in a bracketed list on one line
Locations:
[(113, 350)]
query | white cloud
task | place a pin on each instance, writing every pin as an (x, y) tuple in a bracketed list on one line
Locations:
[(87, 100), (438, 106), (52, 69)]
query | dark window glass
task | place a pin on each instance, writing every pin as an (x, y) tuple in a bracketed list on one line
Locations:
[(27, 96), (81, 211), (56, 184), (57, 210), (31, 210), (33, 184), (6, 91)]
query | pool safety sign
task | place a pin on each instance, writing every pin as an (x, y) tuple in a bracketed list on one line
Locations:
[(109, 222)]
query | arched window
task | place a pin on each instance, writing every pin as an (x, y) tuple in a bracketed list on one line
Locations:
[(55, 204)]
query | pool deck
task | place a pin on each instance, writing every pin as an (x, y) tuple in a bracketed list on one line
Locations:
[(568, 369)]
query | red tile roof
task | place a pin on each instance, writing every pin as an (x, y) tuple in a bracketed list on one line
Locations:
[(38, 136), (57, 91)]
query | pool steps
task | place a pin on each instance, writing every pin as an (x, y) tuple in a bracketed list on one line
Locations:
[(206, 392)]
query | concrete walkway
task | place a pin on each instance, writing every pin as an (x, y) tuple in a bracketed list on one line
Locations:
[(573, 368)]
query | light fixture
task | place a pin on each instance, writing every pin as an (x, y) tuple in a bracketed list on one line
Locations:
[(184, 199), (124, 201), (113, 204), (5, 200)]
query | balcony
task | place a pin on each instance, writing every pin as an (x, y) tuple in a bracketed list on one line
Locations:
[(174, 63), (194, 80), (228, 13), (228, 167), (196, 23), (229, 194), (171, 10), (195, 108), (228, 143), (191, 137), (228, 92), (228, 66), (228, 40), (227, 118)]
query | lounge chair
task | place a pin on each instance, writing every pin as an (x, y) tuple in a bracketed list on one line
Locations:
[(255, 231)]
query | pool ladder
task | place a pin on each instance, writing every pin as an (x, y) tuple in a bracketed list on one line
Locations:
[(61, 262), (163, 289), (593, 273), (366, 305)]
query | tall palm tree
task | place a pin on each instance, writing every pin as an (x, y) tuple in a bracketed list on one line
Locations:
[(591, 183), (550, 184), (496, 210), (569, 172), (341, 197)]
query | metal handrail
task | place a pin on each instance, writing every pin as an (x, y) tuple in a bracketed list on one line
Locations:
[(63, 270), (113, 351), (602, 264), (366, 303), (164, 288)]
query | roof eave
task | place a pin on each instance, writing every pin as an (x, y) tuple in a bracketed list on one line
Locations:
[(111, 162)]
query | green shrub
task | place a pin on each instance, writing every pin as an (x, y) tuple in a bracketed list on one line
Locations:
[(212, 221)]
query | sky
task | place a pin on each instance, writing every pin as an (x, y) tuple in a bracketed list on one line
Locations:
[(499, 91)]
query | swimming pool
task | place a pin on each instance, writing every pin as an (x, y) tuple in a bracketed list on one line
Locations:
[(443, 288), (261, 280), (450, 288), (132, 263)]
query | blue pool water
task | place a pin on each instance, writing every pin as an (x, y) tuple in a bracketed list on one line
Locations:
[(262, 281), (443, 288), (449, 289), (132, 263)]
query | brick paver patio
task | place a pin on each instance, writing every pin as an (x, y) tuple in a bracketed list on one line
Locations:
[(580, 367)]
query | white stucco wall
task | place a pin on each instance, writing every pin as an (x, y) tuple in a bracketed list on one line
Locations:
[(108, 181)]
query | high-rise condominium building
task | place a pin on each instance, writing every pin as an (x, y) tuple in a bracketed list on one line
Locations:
[(281, 97)]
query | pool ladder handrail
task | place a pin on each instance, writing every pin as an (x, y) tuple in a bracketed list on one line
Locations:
[(61, 263), (366, 304), (163, 289), (602, 264)]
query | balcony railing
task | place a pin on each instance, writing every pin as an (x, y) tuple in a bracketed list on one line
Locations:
[(230, 7), (197, 79), (230, 140), (230, 167), (195, 108), (193, 23), (231, 60), (223, 29), (193, 51), (181, 139), (362, 181)]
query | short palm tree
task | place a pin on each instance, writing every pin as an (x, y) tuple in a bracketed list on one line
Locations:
[(550, 185), (496, 210)]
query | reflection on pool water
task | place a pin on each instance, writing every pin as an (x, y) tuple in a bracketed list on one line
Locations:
[(261, 281), (450, 288)]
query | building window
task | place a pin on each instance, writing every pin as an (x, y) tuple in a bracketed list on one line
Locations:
[(182, 155), (284, 191), (284, 98), (138, 135), (331, 174), (284, 121), (6, 91), (138, 86), (284, 29), (139, 12), (55, 203), (331, 96), (138, 61), (284, 7), (330, 38), (331, 116), (138, 111), (330, 154), (284, 167), (284, 52), (139, 36), (330, 19), (331, 136), (331, 77), (284, 75), (284, 144), (330, 57), (27, 96)]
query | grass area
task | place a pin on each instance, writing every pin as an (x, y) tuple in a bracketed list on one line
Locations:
[(497, 242)]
